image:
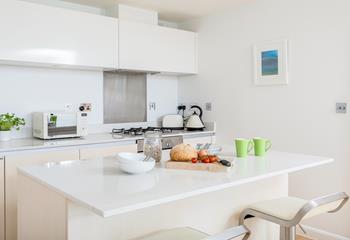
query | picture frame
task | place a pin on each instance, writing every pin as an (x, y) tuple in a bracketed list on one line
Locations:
[(271, 63)]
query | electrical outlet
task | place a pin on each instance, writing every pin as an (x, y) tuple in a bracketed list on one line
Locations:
[(152, 106), (340, 107), (68, 107), (208, 106)]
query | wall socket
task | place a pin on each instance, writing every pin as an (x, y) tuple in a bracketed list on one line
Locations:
[(340, 107), (68, 107), (208, 106), (152, 106)]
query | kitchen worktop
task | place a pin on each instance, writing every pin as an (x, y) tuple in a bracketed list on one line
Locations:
[(100, 186), (97, 138)]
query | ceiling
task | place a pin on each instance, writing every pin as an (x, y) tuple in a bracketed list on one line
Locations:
[(171, 10)]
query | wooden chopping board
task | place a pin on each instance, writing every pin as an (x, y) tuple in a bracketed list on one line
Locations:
[(210, 167)]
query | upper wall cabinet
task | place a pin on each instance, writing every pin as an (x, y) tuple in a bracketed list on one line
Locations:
[(149, 47), (38, 34)]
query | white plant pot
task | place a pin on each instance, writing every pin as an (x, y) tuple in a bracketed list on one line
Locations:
[(5, 136)]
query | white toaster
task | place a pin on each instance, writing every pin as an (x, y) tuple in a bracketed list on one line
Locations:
[(175, 122)]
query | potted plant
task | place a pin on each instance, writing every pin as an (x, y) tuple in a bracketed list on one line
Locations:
[(7, 123)]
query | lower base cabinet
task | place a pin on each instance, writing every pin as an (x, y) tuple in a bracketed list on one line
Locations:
[(12, 162)]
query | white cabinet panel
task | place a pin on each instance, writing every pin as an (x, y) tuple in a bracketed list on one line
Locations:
[(14, 161), (42, 35), (154, 48)]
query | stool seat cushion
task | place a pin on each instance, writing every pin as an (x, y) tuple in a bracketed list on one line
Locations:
[(176, 234), (282, 208), (288, 207)]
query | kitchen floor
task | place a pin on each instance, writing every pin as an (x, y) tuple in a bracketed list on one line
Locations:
[(300, 237)]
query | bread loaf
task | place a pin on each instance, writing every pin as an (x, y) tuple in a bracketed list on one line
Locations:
[(183, 152)]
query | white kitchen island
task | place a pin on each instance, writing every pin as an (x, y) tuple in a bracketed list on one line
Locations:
[(93, 199)]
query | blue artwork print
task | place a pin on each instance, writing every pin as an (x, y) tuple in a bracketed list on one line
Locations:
[(269, 63)]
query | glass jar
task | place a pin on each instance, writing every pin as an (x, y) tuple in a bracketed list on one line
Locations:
[(153, 145)]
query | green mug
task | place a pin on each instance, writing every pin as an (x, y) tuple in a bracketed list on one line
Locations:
[(261, 146), (243, 147)]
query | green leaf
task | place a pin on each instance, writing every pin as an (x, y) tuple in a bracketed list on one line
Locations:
[(9, 121)]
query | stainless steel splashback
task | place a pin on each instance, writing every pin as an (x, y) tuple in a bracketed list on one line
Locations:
[(125, 97)]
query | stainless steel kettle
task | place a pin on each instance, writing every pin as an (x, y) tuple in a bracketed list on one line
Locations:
[(194, 122)]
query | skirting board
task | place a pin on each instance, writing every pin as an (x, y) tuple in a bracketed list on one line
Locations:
[(323, 235)]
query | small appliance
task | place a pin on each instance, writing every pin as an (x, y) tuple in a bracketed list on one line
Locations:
[(194, 122), (175, 122), (55, 125)]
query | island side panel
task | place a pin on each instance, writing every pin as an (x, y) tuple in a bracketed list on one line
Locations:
[(20, 159), (42, 213), (210, 213)]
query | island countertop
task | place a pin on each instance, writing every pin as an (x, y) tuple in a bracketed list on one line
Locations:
[(100, 186)]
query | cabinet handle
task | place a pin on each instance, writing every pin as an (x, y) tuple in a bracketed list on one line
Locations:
[(2, 158)]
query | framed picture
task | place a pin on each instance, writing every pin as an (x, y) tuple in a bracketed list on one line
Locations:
[(271, 63)]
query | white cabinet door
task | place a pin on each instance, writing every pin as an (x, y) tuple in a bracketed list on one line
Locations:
[(154, 48), (36, 34), (106, 151), (15, 161)]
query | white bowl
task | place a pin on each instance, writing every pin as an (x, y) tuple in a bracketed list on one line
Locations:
[(133, 163)]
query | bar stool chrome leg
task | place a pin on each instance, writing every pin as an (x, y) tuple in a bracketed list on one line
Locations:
[(287, 233), (246, 237)]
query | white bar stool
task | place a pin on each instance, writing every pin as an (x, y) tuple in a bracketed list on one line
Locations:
[(288, 212), (187, 233)]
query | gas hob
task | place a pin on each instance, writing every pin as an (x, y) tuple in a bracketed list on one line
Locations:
[(122, 132)]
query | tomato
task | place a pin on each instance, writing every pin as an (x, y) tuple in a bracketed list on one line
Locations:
[(194, 160), (205, 160), (213, 158)]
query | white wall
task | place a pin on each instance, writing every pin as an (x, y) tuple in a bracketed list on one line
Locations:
[(299, 117), (26, 89), (163, 91)]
